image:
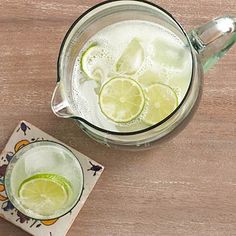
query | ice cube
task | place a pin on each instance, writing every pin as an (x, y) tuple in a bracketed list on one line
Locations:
[(170, 53)]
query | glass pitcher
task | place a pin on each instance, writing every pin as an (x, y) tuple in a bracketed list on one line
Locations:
[(207, 44)]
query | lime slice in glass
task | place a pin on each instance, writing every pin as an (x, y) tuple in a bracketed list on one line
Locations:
[(131, 59), (121, 99), (44, 193), (91, 61), (161, 102)]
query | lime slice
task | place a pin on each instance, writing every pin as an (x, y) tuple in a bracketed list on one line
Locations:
[(89, 63), (44, 194), (131, 59), (121, 99), (161, 102)]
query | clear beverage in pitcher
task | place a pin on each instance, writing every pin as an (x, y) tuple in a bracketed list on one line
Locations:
[(131, 75)]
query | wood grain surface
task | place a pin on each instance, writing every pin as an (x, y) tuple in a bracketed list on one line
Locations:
[(184, 187)]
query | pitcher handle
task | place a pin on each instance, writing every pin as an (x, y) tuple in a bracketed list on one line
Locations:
[(214, 39)]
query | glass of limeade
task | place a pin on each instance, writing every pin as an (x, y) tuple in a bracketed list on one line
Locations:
[(44, 180), (131, 76)]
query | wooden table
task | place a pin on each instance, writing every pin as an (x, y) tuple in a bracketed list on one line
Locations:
[(184, 187)]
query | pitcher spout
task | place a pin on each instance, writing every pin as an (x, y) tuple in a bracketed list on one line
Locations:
[(59, 104)]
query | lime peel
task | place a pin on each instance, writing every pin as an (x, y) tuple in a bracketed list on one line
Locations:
[(91, 73)]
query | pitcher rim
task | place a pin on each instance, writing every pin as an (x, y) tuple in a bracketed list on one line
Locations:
[(79, 119)]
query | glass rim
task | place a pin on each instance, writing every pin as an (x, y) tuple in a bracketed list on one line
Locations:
[(80, 119), (9, 174)]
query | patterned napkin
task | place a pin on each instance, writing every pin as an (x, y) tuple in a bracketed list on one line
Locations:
[(24, 134)]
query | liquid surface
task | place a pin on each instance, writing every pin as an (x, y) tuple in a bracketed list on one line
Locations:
[(145, 52)]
